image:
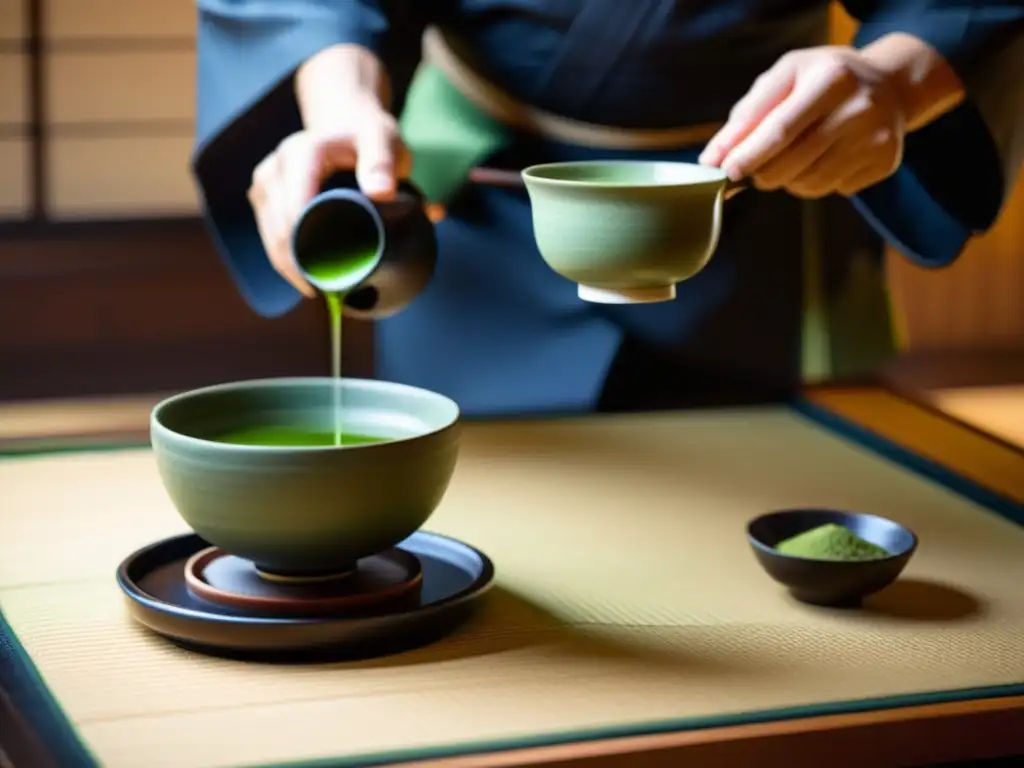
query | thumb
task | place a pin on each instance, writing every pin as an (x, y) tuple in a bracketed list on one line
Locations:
[(375, 160)]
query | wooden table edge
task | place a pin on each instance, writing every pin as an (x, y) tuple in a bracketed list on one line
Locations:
[(898, 415), (912, 735), (897, 736), (929, 400)]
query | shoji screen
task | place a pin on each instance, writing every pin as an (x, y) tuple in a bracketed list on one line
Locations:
[(118, 108), (15, 149)]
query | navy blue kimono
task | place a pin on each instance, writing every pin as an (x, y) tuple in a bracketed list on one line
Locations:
[(500, 332)]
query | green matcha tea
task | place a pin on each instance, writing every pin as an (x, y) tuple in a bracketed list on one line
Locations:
[(328, 263), (332, 266), (335, 305), (830, 542), (294, 437), (358, 261)]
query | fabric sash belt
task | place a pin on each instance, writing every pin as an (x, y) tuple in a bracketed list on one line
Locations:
[(443, 51)]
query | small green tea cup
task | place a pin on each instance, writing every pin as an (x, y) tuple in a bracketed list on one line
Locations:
[(306, 510), (626, 231)]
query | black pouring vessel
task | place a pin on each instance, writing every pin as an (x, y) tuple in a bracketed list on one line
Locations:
[(398, 231), (829, 582)]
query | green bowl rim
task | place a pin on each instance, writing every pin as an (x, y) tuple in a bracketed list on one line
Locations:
[(155, 424), (529, 172)]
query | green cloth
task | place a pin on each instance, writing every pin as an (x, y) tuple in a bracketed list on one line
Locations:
[(447, 135)]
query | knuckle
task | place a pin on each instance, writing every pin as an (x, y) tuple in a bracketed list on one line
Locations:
[(767, 181), (789, 58), (303, 148), (845, 78), (378, 123), (834, 75), (839, 75), (763, 79), (302, 145), (862, 107), (295, 141), (742, 107), (883, 138), (263, 170), (261, 177), (781, 132)]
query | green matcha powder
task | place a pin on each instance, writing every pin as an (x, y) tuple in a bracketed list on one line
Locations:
[(830, 542)]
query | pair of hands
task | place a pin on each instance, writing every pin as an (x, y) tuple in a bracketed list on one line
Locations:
[(821, 121)]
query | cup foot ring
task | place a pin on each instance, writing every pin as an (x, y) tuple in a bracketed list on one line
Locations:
[(647, 295)]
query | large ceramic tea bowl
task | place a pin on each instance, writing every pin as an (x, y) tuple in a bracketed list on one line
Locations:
[(306, 511), (626, 231)]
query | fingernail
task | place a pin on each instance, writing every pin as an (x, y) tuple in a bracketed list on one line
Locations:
[(710, 156), (378, 184), (734, 171)]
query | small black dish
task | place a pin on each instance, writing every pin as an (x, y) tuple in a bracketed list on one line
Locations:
[(829, 582), (454, 577)]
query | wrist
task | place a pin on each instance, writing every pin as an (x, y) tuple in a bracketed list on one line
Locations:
[(925, 83), (337, 80)]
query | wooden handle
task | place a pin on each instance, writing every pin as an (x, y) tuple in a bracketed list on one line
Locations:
[(733, 188), (497, 177)]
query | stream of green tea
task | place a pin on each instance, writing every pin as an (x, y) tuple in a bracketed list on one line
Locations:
[(334, 267), (329, 268), (335, 304)]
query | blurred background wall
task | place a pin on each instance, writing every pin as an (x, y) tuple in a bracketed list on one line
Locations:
[(117, 105), (108, 282)]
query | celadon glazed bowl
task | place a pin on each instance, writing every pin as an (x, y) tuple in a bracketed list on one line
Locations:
[(306, 511), (626, 231)]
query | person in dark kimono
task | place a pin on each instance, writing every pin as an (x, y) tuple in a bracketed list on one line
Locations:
[(918, 127)]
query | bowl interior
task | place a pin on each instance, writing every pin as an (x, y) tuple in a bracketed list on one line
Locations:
[(767, 531), (626, 173), (373, 409), (339, 240)]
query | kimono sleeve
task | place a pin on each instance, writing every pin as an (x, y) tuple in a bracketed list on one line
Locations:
[(958, 171), (248, 51)]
